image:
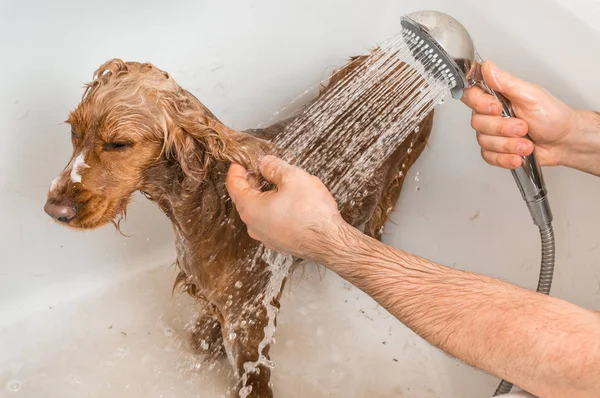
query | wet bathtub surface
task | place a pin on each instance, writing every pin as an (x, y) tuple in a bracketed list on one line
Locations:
[(130, 340)]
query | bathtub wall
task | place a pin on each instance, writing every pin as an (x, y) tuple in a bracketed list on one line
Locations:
[(587, 11), (245, 63)]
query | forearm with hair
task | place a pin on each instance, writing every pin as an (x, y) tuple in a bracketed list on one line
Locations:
[(582, 151), (545, 345)]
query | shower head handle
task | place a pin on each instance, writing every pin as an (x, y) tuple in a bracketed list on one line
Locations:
[(528, 176), (454, 49)]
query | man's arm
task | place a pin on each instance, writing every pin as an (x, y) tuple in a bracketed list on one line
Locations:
[(543, 344), (547, 346)]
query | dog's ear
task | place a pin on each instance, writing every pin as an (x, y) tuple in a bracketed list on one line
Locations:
[(197, 140)]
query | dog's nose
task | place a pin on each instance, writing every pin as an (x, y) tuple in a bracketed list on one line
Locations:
[(63, 212)]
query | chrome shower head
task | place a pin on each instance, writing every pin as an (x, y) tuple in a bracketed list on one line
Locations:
[(449, 40), (445, 47)]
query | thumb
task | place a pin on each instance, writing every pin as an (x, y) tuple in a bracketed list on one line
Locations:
[(505, 83), (238, 185), (275, 169)]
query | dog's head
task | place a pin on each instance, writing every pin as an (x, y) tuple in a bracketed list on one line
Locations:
[(133, 117)]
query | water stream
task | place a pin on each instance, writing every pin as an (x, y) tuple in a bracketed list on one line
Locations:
[(350, 131)]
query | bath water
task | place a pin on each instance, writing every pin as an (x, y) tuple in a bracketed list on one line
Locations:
[(351, 130)]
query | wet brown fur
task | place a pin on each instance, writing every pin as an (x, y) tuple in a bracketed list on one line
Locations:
[(177, 153)]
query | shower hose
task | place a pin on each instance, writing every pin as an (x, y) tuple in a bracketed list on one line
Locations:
[(544, 283)]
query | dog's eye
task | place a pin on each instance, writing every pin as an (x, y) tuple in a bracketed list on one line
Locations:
[(116, 146)]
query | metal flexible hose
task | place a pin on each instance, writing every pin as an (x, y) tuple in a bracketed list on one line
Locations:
[(548, 254), (544, 283)]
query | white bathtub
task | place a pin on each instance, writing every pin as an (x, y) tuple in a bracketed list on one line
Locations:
[(90, 314)]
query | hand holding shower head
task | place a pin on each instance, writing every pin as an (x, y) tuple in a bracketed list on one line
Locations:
[(450, 44), (450, 55)]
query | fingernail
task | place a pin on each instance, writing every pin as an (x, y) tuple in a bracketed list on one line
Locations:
[(517, 161), (519, 129), (494, 109), (523, 148)]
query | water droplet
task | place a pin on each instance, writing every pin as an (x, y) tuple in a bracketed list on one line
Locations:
[(409, 151), (15, 367), (441, 101), (232, 336), (13, 386), (122, 352), (203, 344), (303, 311), (245, 391), (228, 303), (72, 379), (418, 176), (238, 284), (417, 129), (418, 189)]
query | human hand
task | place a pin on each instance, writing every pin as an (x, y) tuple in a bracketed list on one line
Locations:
[(294, 218), (550, 123)]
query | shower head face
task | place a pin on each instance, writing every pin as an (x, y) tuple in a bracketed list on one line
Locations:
[(446, 49), (448, 39)]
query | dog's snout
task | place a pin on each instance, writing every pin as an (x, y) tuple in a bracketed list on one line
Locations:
[(63, 211)]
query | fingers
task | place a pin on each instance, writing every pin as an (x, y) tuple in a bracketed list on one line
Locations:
[(497, 126), (513, 146), (481, 102), (238, 185), (501, 140), (274, 169), (506, 161)]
